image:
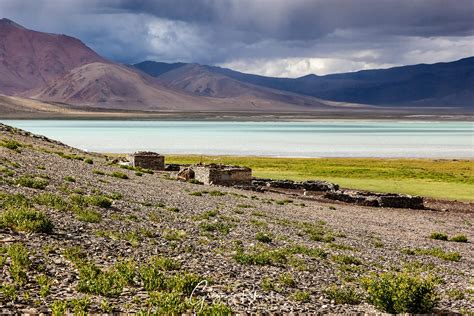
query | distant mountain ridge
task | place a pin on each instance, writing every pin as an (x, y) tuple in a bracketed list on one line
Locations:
[(61, 69), (440, 84)]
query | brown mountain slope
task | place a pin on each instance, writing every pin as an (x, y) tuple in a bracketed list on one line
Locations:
[(29, 59), (113, 86), (197, 79)]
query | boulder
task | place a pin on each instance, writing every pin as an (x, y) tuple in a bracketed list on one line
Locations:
[(185, 174)]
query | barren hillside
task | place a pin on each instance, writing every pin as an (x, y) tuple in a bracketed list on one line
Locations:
[(78, 233)]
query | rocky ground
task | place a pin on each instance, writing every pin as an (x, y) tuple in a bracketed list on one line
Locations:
[(100, 238)]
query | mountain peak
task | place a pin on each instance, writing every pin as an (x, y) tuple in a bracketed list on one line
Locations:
[(6, 21)]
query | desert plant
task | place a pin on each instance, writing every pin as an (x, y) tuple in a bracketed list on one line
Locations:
[(263, 237), (438, 236), (300, 296), (118, 174), (89, 216), (343, 295), (69, 179), (32, 182), (287, 279), (401, 293), (99, 200), (344, 259), (459, 238), (26, 219), (89, 161)]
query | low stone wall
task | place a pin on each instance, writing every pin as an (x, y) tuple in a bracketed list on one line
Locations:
[(310, 185), (222, 175), (147, 160), (377, 199)]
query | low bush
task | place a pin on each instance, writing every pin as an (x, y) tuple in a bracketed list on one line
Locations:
[(300, 296), (459, 238), (261, 256), (69, 179), (343, 295), (263, 237), (32, 182), (99, 200), (11, 144), (51, 200), (89, 216), (344, 259), (118, 174), (438, 236), (89, 161), (93, 280), (222, 227), (26, 219), (401, 293)]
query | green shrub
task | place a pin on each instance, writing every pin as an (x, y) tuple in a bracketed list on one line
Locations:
[(11, 144), (197, 193), (59, 308), (93, 280), (14, 200), (222, 227), (401, 293), (300, 296), (344, 259), (89, 216), (261, 256), (45, 284), (20, 263), (287, 279), (343, 295), (69, 179), (9, 292), (168, 303), (99, 200), (173, 209), (99, 172), (440, 253), (51, 200), (174, 234), (459, 238), (32, 182), (164, 264), (438, 236), (217, 193), (118, 174), (26, 219), (89, 161), (152, 277), (263, 237)]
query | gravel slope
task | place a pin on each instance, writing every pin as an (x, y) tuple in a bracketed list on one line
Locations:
[(149, 208)]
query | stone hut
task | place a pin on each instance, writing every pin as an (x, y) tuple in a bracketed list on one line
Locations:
[(223, 175), (147, 160)]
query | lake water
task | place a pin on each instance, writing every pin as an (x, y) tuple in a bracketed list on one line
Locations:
[(288, 139)]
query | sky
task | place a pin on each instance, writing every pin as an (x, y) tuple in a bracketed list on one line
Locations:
[(281, 38)]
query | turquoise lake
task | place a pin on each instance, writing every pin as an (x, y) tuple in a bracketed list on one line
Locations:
[(285, 139)]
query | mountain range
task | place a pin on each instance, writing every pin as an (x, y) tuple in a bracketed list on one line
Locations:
[(60, 69)]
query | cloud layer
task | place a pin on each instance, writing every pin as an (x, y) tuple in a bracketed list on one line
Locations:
[(271, 37)]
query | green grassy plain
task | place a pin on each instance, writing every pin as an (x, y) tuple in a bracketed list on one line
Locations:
[(439, 178)]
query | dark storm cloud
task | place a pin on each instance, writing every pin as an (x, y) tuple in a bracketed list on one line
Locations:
[(278, 37)]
